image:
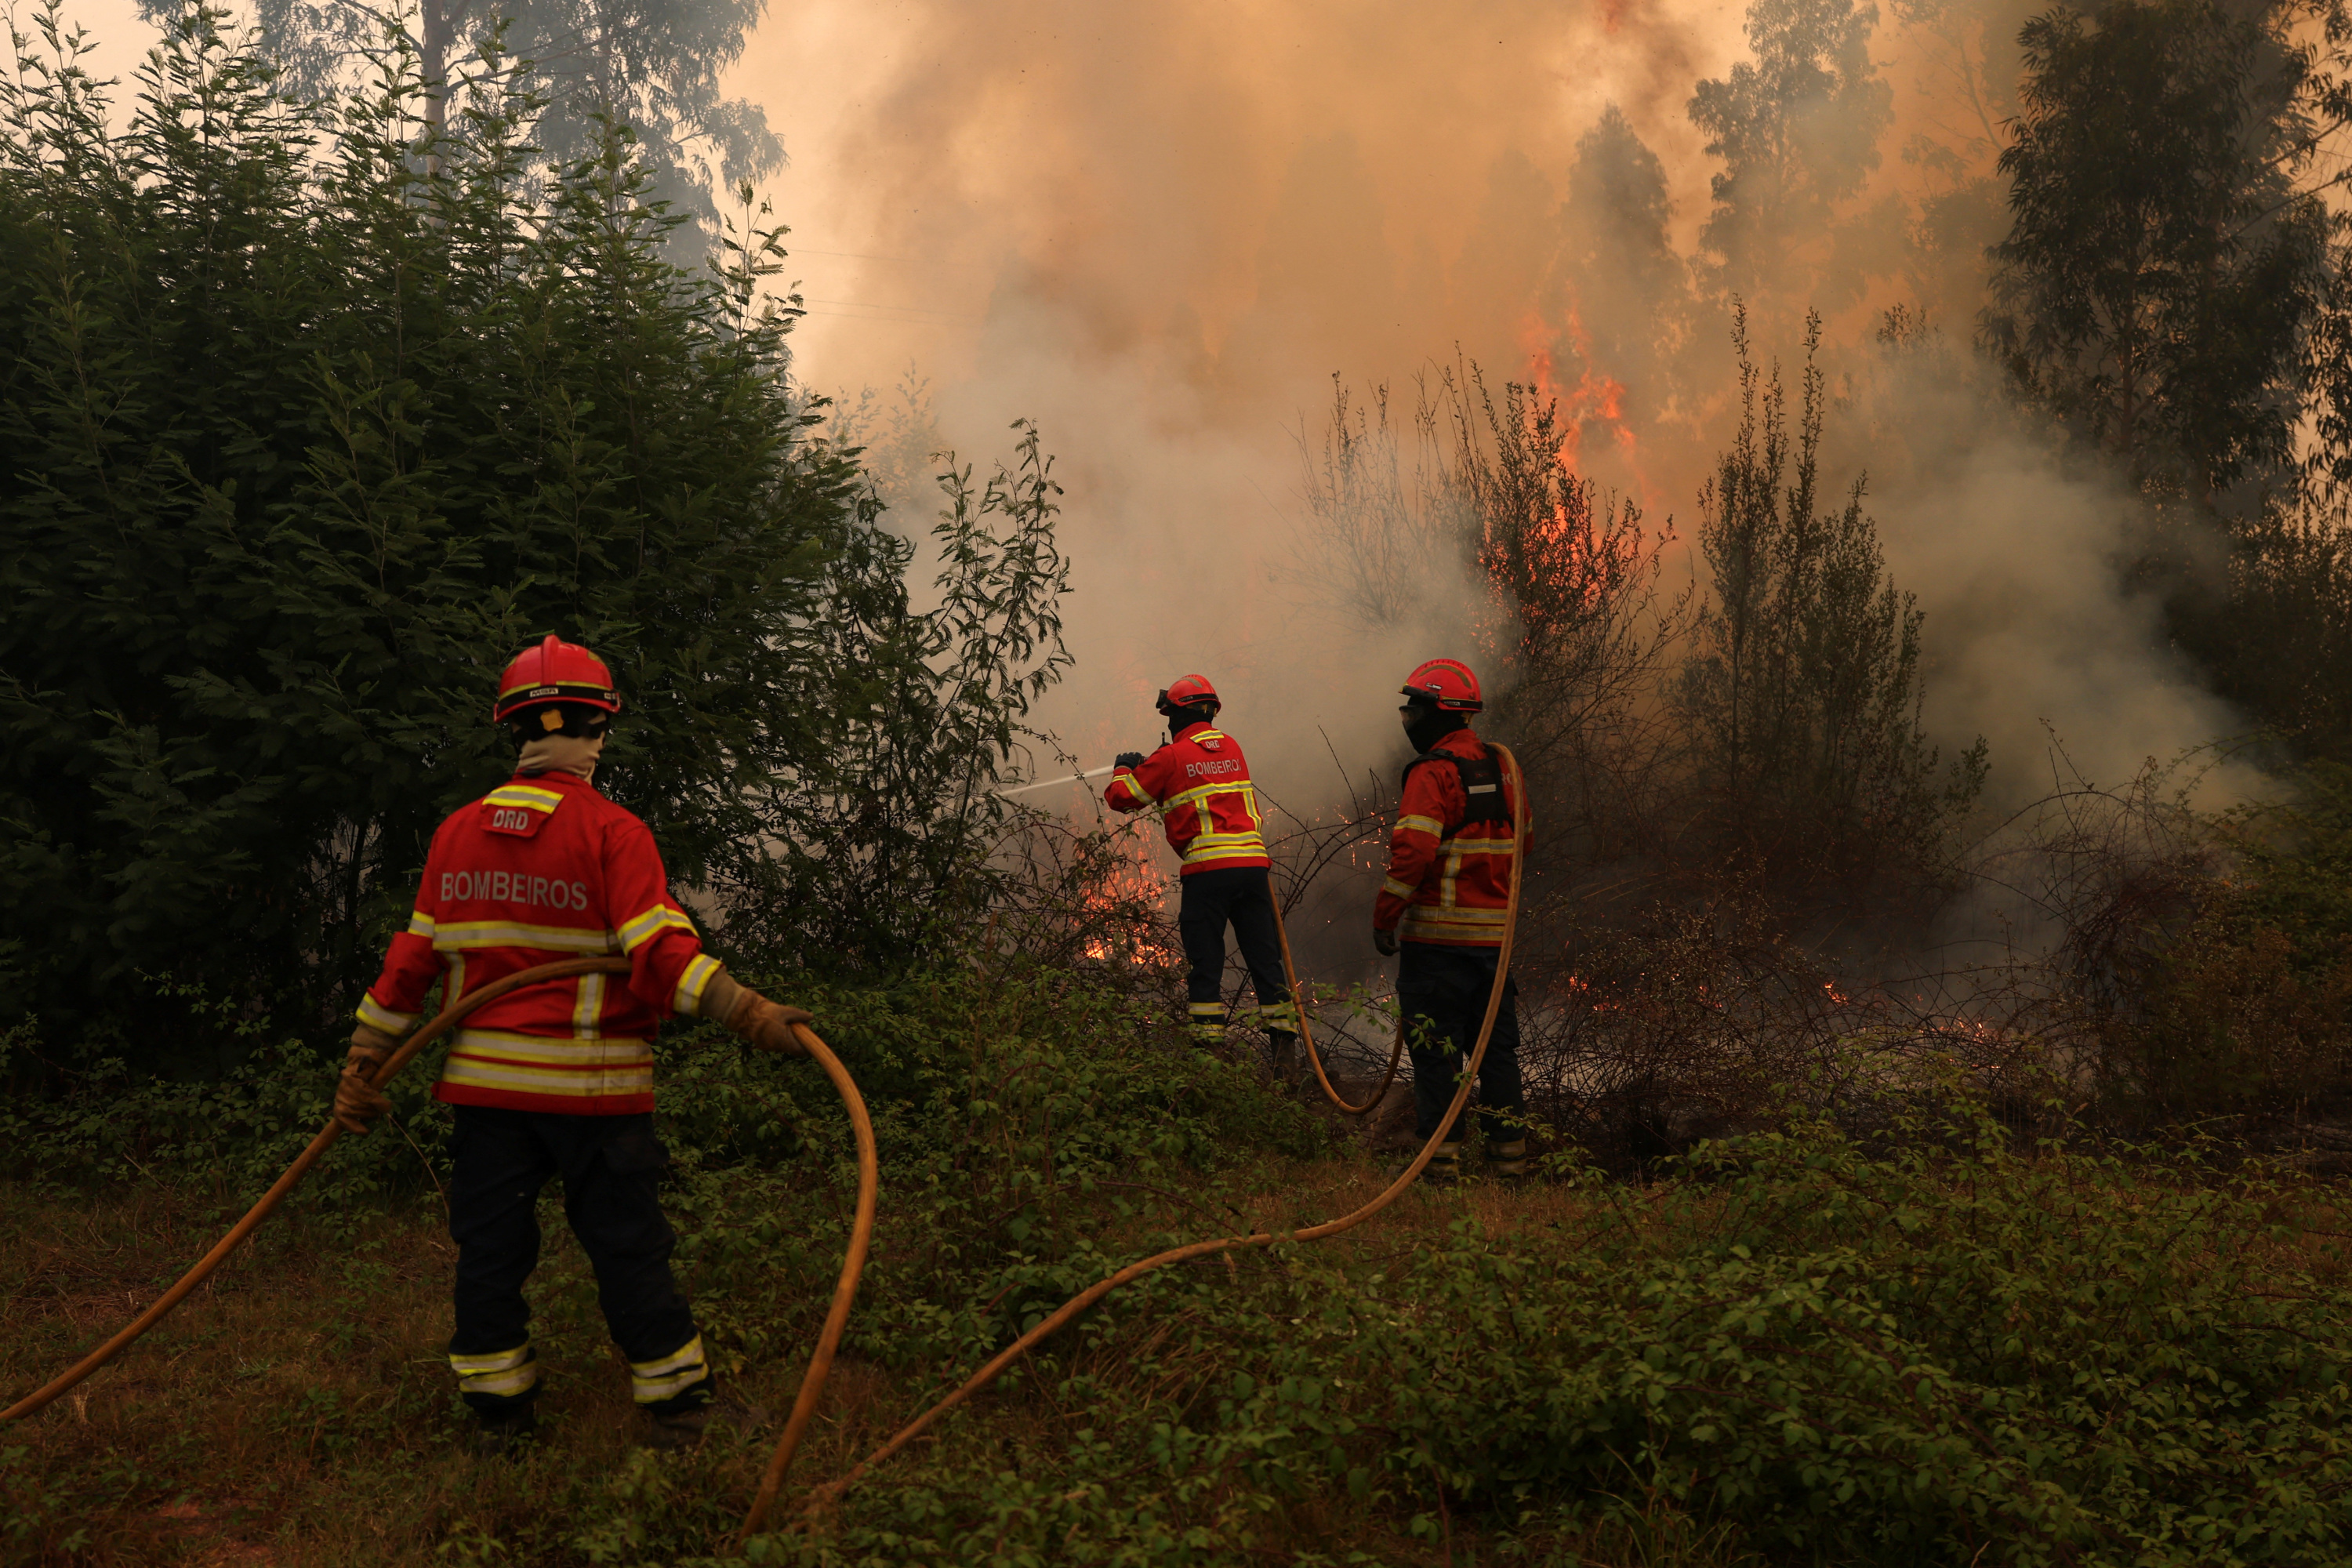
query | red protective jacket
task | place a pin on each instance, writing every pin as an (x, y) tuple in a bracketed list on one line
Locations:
[(1448, 882), (540, 869), (1200, 784)]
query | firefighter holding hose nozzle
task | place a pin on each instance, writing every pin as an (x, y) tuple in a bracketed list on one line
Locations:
[(556, 1079), (1200, 783), (1443, 908)]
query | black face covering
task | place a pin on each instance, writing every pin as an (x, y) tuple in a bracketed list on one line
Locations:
[(1425, 724), (580, 721), (1182, 719)]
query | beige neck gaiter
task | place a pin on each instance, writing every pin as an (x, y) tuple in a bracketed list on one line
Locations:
[(565, 753)]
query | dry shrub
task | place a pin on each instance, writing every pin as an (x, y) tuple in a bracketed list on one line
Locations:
[(1642, 1039), (1083, 893), (2227, 1024)]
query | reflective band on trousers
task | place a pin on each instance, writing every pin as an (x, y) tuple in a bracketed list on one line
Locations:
[(504, 1373), (666, 1377)]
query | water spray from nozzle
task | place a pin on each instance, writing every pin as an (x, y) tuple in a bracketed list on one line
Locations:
[(1067, 779)]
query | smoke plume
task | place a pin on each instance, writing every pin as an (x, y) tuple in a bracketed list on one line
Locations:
[(1164, 234)]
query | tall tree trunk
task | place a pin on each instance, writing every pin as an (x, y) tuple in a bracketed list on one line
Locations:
[(440, 19)]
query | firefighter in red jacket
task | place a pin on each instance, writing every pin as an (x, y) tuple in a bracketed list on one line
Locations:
[(1200, 783), (1451, 862), (556, 1079)]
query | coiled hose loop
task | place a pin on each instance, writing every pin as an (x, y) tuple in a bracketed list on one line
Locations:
[(1306, 1037), (830, 1492)]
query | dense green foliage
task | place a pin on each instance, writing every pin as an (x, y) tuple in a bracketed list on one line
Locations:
[(306, 425), (2164, 269), (2239, 1004)]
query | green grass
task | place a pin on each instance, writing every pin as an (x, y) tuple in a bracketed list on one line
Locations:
[(1936, 1348)]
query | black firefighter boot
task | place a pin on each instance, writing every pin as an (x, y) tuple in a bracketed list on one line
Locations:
[(506, 1433), (684, 1422), (1509, 1160), (1282, 1054), (1445, 1167)]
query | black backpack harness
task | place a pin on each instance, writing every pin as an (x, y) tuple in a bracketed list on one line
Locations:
[(1482, 787)]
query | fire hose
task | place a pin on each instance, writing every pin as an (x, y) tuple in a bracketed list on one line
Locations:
[(1307, 1037), (831, 1491), (861, 1230), (862, 1224)]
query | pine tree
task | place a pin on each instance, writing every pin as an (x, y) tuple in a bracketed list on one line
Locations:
[(1803, 694)]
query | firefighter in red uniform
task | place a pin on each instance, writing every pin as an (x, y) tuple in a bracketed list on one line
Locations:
[(1200, 783), (1451, 862), (556, 1079)]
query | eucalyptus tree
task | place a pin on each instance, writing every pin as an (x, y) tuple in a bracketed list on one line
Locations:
[(651, 65)]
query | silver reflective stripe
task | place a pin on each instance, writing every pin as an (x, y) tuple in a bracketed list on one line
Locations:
[(665, 1377), (502, 1373)]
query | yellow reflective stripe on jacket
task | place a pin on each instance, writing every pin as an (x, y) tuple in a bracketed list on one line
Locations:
[(588, 1007), (1200, 794), (1428, 825), (635, 934), (530, 796), (693, 984), (376, 1015), (1195, 856), (1426, 923), (420, 924), (455, 935), (666, 1377), (535, 1064)]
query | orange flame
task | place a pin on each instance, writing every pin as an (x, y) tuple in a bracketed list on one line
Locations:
[(1135, 880), (1595, 398)]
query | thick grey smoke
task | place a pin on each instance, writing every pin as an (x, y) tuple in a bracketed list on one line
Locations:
[(1163, 239), (2013, 553), (1162, 231)]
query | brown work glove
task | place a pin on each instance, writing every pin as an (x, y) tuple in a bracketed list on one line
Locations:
[(1384, 942), (358, 1101), (766, 1025)]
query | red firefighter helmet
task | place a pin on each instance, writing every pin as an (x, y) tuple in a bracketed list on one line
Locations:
[(1189, 691), (1447, 683), (555, 671)]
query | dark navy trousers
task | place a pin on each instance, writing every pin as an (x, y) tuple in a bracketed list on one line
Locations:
[(609, 1167), (1242, 897), (1442, 992)]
